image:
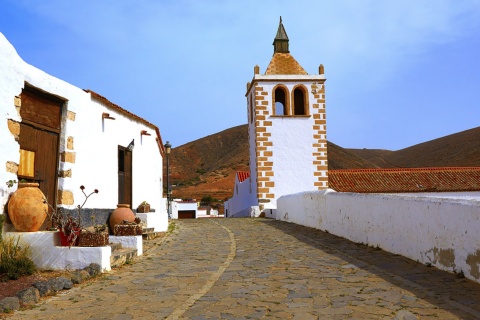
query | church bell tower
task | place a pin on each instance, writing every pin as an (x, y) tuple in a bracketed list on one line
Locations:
[(287, 127)]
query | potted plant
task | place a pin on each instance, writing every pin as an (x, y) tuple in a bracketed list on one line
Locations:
[(70, 227), (144, 207), (95, 236)]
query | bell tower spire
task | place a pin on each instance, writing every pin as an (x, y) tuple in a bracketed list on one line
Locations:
[(280, 43)]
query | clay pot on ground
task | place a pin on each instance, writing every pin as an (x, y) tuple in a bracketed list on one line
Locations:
[(27, 208), (123, 212)]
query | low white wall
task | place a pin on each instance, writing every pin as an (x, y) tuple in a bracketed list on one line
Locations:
[(47, 254), (133, 242), (442, 231), (156, 220)]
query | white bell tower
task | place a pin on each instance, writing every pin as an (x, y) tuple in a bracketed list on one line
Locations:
[(287, 127)]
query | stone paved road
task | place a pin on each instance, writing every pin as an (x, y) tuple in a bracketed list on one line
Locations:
[(260, 268)]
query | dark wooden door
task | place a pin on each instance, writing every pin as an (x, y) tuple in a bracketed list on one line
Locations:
[(124, 176), (40, 146), (186, 214), (39, 140)]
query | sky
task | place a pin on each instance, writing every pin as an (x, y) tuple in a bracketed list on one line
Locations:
[(399, 72)]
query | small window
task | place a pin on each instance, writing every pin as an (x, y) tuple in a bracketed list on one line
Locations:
[(299, 102), (280, 102), (121, 160), (26, 166)]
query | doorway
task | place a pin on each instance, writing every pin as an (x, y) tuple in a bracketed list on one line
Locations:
[(124, 176), (39, 140)]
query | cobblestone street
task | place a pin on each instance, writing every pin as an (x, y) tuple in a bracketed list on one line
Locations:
[(260, 268)]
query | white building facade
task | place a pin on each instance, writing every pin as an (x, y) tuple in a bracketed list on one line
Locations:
[(84, 136)]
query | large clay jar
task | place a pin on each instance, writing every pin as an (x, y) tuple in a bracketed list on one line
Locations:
[(27, 207), (123, 212)]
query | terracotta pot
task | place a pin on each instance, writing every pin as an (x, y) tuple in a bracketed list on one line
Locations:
[(143, 208), (123, 212), (27, 208), (66, 241)]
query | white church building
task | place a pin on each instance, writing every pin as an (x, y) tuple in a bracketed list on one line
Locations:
[(287, 134), (426, 214)]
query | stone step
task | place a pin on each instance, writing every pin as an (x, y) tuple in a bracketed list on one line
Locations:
[(151, 235), (115, 246), (121, 256)]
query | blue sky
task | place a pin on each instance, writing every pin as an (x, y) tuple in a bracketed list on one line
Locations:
[(399, 72)]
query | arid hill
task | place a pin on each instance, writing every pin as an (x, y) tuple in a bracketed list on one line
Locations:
[(207, 166), (460, 149)]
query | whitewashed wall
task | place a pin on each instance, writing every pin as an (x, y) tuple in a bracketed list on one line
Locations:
[(96, 147), (429, 228), (244, 198), (95, 140), (293, 155), (186, 206), (293, 139)]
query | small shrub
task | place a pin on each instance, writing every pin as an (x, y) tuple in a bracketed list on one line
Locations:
[(14, 259)]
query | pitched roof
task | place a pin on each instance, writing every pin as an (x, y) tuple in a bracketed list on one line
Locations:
[(243, 175), (284, 63), (405, 180), (281, 33), (128, 114)]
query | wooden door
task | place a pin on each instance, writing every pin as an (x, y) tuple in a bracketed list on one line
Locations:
[(39, 159), (124, 176), (39, 140), (186, 214)]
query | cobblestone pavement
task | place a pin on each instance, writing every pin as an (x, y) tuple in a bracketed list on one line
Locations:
[(260, 268)]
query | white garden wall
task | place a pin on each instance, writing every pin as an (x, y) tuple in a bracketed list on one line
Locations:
[(436, 229)]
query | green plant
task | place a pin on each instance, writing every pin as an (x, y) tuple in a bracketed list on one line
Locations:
[(14, 259), (10, 183)]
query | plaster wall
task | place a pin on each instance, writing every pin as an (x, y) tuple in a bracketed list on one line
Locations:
[(132, 242), (174, 210), (244, 197), (289, 152), (186, 206), (47, 254), (292, 155), (95, 140), (430, 229), (96, 148)]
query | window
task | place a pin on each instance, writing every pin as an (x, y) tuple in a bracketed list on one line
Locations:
[(281, 106), (299, 101)]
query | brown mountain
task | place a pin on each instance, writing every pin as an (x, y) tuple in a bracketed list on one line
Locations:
[(461, 149), (207, 166)]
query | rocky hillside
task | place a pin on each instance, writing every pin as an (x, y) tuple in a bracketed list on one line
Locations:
[(207, 166), (461, 149)]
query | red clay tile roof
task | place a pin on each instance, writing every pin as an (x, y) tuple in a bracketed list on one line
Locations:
[(284, 63), (127, 113), (405, 180), (242, 175)]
